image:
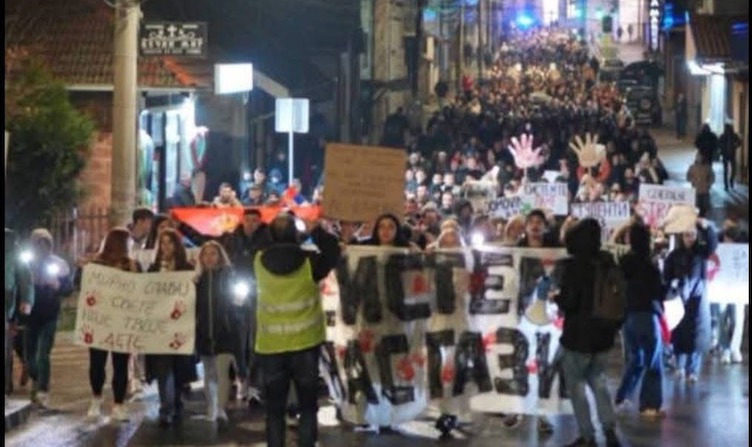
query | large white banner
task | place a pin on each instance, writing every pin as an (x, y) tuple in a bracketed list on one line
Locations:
[(728, 274), (461, 329), (147, 313), (655, 201)]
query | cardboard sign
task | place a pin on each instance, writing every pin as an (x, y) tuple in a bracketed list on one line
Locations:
[(146, 313), (506, 207), (611, 215), (218, 221), (547, 196), (363, 182), (655, 201), (728, 274)]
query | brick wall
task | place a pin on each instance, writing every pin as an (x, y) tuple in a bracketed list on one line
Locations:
[(96, 176)]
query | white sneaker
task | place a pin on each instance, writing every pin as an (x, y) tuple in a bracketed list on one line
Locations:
[(95, 409), (119, 413), (692, 378), (726, 357), (736, 357), (42, 399), (623, 407), (679, 374), (222, 416), (243, 392)]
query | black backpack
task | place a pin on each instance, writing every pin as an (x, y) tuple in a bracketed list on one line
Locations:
[(610, 294)]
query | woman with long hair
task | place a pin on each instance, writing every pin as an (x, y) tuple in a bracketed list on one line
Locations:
[(114, 254), (172, 372), (219, 302), (389, 232)]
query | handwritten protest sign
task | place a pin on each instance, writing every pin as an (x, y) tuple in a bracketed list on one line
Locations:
[(611, 215), (363, 182), (507, 207), (147, 313), (548, 196), (728, 274), (655, 201)]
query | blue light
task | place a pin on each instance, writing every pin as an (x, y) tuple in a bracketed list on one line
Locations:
[(525, 21)]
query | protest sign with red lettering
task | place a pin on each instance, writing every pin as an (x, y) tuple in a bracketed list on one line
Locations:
[(145, 313), (655, 201)]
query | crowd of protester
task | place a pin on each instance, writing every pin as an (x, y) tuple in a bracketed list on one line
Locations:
[(541, 84)]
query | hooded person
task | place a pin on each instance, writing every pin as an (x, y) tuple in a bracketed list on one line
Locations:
[(291, 322), (19, 297)]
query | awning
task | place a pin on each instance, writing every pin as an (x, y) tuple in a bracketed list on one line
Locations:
[(710, 46)]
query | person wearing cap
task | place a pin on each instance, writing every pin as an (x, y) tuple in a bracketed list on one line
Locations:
[(19, 296), (291, 323), (52, 283)]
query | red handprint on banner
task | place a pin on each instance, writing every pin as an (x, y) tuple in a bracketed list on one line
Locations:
[(88, 334), (178, 341), (365, 340), (714, 266), (448, 373), (91, 299), (179, 310), (405, 369), (532, 367)]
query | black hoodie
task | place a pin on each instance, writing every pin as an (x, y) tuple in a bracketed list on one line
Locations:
[(583, 333), (284, 258)]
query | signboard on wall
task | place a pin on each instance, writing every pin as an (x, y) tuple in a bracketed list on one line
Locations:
[(173, 39), (654, 22)]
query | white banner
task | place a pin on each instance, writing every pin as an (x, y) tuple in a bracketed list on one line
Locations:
[(505, 207), (611, 215), (728, 274), (464, 330), (655, 201), (147, 313), (547, 196)]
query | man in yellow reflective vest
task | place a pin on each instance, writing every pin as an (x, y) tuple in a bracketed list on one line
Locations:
[(291, 323)]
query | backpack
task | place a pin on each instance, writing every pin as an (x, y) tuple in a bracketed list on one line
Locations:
[(610, 294)]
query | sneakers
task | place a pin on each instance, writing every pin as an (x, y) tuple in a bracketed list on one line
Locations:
[(582, 442), (692, 379), (726, 357), (40, 398), (119, 413), (222, 416), (679, 374), (736, 357), (544, 426), (95, 409), (623, 407)]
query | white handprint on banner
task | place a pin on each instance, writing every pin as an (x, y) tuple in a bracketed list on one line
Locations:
[(588, 151), (525, 156)]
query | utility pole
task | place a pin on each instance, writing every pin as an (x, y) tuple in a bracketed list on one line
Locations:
[(124, 111)]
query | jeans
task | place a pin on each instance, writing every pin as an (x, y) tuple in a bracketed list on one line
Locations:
[(588, 369), (643, 331), (97, 363), (728, 325), (217, 380), (690, 363), (729, 172), (278, 371), (41, 338)]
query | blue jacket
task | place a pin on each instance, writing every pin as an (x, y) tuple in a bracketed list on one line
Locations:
[(47, 300)]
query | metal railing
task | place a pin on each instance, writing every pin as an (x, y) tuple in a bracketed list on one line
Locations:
[(79, 232)]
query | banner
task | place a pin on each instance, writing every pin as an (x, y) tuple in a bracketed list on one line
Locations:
[(468, 330), (217, 221), (363, 182), (728, 274), (655, 201), (547, 196), (611, 215), (146, 313)]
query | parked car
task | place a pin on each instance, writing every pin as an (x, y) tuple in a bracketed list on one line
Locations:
[(610, 70)]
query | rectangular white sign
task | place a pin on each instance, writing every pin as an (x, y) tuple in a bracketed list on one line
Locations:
[(146, 313), (655, 201), (547, 196), (728, 274), (611, 215)]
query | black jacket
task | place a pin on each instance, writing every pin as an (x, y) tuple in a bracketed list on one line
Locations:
[(242, 249), (219, 314), (645, 289), (283, 258), (583, 333)]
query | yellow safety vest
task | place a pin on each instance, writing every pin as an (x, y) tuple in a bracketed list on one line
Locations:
[(289, 313)]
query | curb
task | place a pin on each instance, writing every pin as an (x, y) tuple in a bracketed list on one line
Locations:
[(17, 413)]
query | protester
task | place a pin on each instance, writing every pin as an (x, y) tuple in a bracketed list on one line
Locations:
[(291, 324), (645, 294), (52, 283), (702, 177), (586, 340), (707, 143), (728, 143), (172, 372), (114, 254), (19, 298), (685, 271), (227, 197)]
